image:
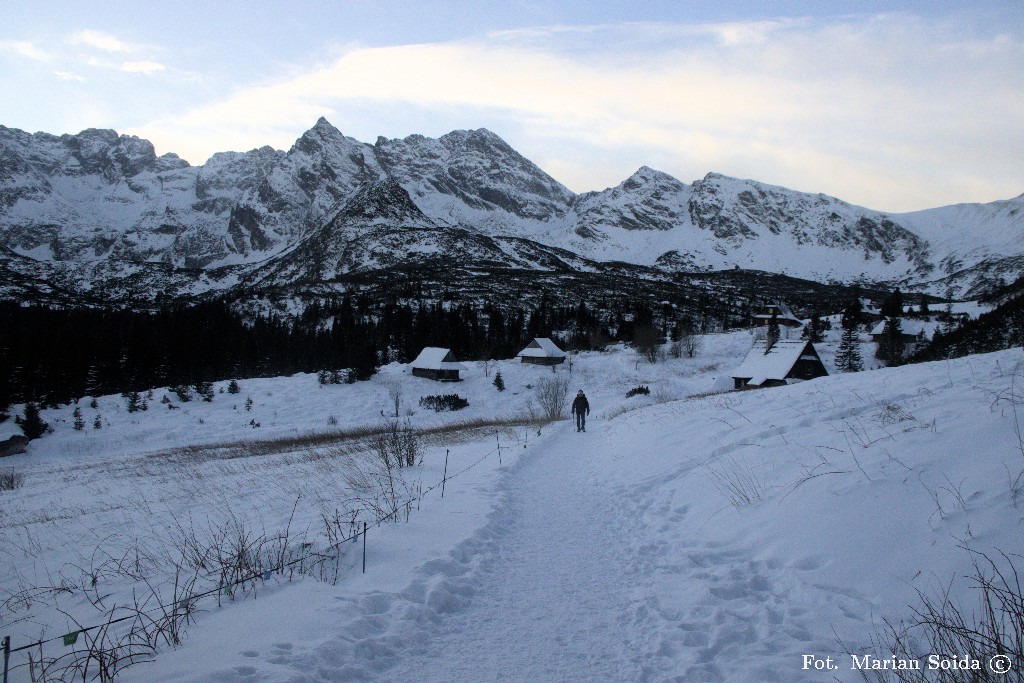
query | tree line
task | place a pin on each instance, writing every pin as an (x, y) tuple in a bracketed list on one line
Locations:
[(52, 356)]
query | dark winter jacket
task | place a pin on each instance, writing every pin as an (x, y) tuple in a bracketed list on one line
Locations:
[(581, 405)]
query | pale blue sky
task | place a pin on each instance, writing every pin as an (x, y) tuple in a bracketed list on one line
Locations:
[(896, 106)]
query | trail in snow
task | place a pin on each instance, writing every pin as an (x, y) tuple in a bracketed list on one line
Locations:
[(547, 590), (555, 599), (573, 578)]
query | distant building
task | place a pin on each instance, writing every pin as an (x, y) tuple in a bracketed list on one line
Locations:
[(869, 311), (542, 351), (911, 330), (783, 315), (438, 364), (786, 360)]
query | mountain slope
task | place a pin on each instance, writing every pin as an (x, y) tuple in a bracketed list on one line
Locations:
[(99, 208)]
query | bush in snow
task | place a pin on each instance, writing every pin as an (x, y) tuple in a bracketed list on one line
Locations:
[(397, 445), (31, 423), (183, 393), (444, 402), (647, 340), (248, 403), (10, 480), (233, 387), (334, 377), (133, 400), (642, 389), (992, 635), (205, 390), (550, 395)]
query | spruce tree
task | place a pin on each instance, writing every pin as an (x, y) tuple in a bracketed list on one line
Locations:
[(773, 333), (233, 387), (848, 357), (32, 424), (891, 346), (499, 383), (814, 329), (79, 422)]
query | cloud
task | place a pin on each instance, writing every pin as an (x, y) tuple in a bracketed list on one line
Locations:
[(143, 67), (892, 111), (68, 76), (101, 41), (24, 48)]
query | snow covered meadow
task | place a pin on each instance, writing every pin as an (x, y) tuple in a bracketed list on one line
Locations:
[(691, 534)]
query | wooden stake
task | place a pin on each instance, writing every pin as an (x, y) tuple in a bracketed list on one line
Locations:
[(445, 477)]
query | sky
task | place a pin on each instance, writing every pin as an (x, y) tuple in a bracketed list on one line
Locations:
[(896, 106)]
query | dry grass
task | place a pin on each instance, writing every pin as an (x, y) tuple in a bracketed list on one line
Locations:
[(356, 438)]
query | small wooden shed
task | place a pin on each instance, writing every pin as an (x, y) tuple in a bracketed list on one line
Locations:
[(438, 364), (542, 351), (786, 360)]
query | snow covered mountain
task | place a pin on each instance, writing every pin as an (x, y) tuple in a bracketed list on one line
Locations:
[(97, 212)]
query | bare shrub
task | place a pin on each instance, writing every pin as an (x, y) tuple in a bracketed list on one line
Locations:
[(647, 340), (10, 480), (550, 394), (892, 413), (395, 392), (737, 482), (993, 635), (691, 343), (397, 445)]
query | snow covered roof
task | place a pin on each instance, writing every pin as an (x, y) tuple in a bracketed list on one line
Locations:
[(784, 312), (911, 326), (542, 347), (436, 358), (776, 364)]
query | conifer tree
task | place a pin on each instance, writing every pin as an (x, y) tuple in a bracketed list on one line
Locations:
[(79, 422), (499, 383), (848, 357), (813, 330), (31, 423), (773, 333)]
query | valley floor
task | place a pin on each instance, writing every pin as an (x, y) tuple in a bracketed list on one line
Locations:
[(713, 538), (624, 554)]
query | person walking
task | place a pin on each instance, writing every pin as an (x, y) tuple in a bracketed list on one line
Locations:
[(581, 408)]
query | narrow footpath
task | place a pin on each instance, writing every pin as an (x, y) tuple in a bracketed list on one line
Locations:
[(552, 599)]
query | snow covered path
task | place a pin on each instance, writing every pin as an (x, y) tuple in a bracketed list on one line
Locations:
[(553, 598)]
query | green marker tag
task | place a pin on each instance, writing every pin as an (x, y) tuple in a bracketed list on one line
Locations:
[(71, 638)]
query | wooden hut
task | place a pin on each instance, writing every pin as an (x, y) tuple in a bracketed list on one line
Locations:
[(438, 364), (782, 314), (786, 360), (911, 330), (542, 351)]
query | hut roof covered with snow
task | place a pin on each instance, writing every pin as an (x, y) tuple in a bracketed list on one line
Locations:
[(786, 359), (783, 315), (911, 327), (437, 363), (542, 351)]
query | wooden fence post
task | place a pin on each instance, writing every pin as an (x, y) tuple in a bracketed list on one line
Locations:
[(445, 477)]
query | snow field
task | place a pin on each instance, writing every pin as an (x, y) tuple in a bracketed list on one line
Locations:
[(712, 539), (146, 481), (613, 555)]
